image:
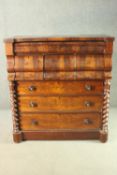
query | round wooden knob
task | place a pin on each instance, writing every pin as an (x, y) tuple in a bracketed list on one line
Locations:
[(88, 87), (87, 121), (33, 104), (34, 122), (32, 88), (88, 103)]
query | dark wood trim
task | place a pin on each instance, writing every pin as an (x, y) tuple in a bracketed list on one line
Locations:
[(17, 137), (59, 135), (58, 38), (55, 135)]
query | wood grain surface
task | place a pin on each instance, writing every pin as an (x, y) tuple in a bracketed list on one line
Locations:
[(60, 121), (60, 104), (59, 87)]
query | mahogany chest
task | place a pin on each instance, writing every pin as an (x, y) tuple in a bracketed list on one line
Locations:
[(59, 87)]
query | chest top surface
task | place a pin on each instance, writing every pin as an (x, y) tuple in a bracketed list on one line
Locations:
[(80, 38)]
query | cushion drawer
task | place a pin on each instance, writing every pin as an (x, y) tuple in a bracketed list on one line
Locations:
[(77, 62), (59, 47), (28, 63), (60, 121), (59, 87), (61, 63), (61, 103)]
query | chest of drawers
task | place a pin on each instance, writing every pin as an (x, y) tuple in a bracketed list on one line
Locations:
[(59, 87)]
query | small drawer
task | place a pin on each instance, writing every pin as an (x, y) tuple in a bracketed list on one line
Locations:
[(28, 63), (60, 121), (59, 87), (61, 103)]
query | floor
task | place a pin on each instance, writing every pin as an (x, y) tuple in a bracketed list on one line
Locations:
[(57, 157)]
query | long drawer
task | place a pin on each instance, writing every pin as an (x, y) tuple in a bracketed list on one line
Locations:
[(60, 103), (60, 62), (59, 87), (60, 121), (59, 47)]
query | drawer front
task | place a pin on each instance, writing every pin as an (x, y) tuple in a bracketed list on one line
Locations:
[(54, 103), (59, 47), (59, 87), (77, 75), (29, 63), (61, 63), (61, 76), (77, 62), (60, 121)]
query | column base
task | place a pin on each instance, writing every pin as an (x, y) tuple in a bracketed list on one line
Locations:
[(17, 137), (103, 136)]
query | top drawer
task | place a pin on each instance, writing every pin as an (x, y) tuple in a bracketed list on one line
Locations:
[(60, 88), (60, 47)]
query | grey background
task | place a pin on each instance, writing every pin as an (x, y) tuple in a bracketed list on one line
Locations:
[(56, 17)]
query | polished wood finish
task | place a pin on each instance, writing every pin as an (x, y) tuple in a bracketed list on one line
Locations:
[(59, 135), (28, 63), (58, 39), (60, 104), (54, 47), (75, 75), (60, 87), (60, 121), (76, 62), (81, 75)]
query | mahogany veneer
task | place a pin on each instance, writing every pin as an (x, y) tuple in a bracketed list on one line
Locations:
[(60, 87)]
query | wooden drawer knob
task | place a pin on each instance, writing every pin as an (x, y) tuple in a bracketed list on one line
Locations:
[(33, 104), (32, 88), (88, 87), (88, 103), (87, 121), (34, 122)]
